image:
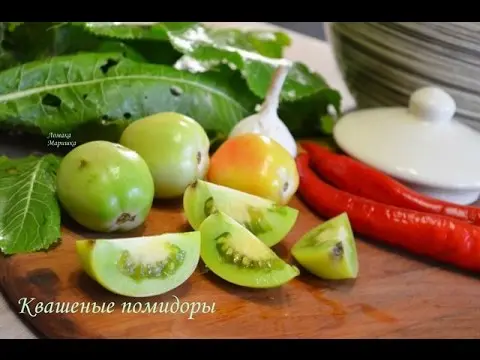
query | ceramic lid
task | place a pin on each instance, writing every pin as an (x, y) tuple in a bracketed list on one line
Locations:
[(422, 144)]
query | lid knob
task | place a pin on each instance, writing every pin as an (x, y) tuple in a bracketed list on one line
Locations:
[(432, 104)]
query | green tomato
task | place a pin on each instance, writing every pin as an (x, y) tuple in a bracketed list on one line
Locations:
[(105, 187), (175, 147)]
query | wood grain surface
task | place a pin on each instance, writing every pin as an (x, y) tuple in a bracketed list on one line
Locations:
[(395, 296), (316, 54)]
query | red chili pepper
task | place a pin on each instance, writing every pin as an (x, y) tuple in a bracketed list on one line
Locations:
[(359, 179), (439, 237)]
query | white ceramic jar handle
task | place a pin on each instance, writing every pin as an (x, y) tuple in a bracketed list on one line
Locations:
[(432, 104)]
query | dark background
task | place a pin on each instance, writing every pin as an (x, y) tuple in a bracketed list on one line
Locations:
[(314, 29)]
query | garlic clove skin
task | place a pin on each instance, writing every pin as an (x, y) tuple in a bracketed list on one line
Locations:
[(275, 130), (266, 121)]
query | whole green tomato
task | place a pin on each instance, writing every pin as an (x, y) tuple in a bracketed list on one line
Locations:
[(105, 187), (175, 147)]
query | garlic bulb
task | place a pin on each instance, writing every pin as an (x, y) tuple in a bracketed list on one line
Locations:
[(266, 121)]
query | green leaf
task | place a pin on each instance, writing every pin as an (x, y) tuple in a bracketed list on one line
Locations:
[(64, 93), (35, 41), (119, 47), (200, 43), (7, 58), (255, 55), (66, 39), (118, 31), (240, 63), (155, 52), (312, 116), (148, 31), (29, 212), (30, 41), (327, 123), (267, 43), (11, 26), (151, 41), (150, 36)]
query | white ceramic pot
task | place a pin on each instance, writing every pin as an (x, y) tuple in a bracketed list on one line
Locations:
[(422, 145), (383, 63)]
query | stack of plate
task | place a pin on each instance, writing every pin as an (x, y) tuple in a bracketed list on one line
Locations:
[(383, 63)]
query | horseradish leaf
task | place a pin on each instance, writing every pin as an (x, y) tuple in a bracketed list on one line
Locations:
[(29, 211), (126, 31), (41, 40), (7, 58), (66, 92), (208, 47), (267, 43)]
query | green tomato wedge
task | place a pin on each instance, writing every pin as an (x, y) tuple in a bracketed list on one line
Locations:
[(265, 219), (141, 266), (236, 255), (329, 250)]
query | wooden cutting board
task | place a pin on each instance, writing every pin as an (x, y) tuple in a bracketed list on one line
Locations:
[(394, 296)]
